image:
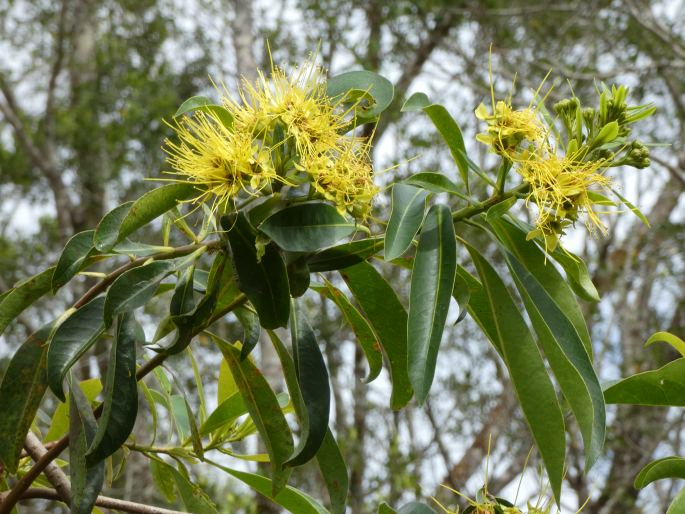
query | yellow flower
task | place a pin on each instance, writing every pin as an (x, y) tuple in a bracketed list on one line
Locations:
[(562, 188), (508, 128), (220, 162), (285, 128)]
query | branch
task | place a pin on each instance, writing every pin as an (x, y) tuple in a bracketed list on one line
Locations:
[(52, 471), (22, 485), (102, 501)]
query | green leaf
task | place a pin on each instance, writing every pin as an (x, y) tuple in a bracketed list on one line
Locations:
[(86, 481), (334, 472), (227, 412), (435, 183), (632, 208), (388, 319), (663, 386), (506, 328), (204, 104), (130, 216), (447, 127), (21, 392), (107, 231), (678, 504), (344, 255), (568, 358), (298, 273), (163, 479), (179, 413), (71, 340), (183, 300), (408, 205), (361, 328), (135, 288), (347, 87), (577, 274), (75, 253), (307, 227), (262, 404), (432, 283), (120, 405), (499, 209), (561, 330), (60, 419), (252, 330), (134, 249), (668, 467), (265, 281), (288, 497), (23, 295), (669, 338), (384, 508), (194, 498), (312, 377), (415, 508)]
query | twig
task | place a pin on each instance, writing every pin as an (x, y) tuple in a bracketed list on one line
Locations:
[(102, 501)]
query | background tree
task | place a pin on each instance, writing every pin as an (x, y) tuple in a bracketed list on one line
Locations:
[(88, 83)]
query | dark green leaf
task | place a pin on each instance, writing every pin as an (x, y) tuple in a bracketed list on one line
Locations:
[(344, 255), (298, 274), (408, 205), (663, 386), (265, 281), (312, 377), (288, 497), (252, 330), (130, 216), (506, 328), (21, 392), (384, 508), (365, 335), (448, 128), (307, 227), (73, 256), (204, 104), (347, 87), (135, 288), (183, 300), (334, 472), (262, 404), (568, 358), (432, 283), (120, 405), (23, 295), (71, 340), (668, 467), (388, 319), (86, 481), (107, 232)]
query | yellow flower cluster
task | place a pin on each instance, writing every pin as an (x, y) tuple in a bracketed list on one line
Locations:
[(286, 131), (562, 186)]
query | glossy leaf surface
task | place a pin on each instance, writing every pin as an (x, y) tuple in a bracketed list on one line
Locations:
[(432, 283), (387, 317), (408, 206)]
